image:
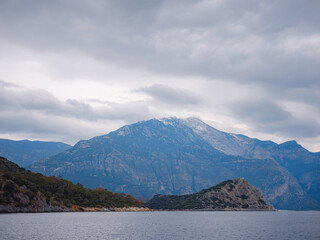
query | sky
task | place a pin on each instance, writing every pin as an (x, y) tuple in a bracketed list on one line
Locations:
[(75, 69)]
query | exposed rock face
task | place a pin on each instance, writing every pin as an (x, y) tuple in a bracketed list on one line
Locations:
[(237, 194), (303, 166), (132, 209), (37, 204), (182, 156), (25, 152)]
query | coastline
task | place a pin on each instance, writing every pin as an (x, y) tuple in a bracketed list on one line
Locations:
[(12, 209), (76, 208), (216, 210)]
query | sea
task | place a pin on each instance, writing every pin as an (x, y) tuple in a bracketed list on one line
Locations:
[(194, 225)]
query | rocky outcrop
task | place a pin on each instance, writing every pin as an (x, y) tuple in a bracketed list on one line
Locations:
[(22, 204), (132, 209), (231, 195)]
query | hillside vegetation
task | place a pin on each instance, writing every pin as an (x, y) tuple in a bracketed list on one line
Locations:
[(25, 191)]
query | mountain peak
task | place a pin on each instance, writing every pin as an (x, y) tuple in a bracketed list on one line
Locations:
[(290, 144), (168, 120)]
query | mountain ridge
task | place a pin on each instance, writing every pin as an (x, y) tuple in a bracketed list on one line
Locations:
[(24, 152), (177, 156)]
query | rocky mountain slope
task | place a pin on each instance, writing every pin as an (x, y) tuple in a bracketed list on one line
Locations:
[(24, 191), (183, 156), (237, 194), (25, 152), (302, 164)]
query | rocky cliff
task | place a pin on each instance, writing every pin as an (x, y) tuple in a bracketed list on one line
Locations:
[(236, 195)]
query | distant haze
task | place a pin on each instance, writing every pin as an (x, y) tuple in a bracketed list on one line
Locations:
[(72, 70)]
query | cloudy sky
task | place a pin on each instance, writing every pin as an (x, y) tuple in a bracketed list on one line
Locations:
[(74, 69)]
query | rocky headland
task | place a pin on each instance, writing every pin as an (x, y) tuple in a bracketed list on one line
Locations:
[(232, 195)]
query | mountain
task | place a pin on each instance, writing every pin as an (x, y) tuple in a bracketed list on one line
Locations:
[(237, 194), (183, 156), (24, 191), (303, 165), (25, 152)]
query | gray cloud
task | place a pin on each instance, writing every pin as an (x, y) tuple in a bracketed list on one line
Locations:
[(260, 111), (310, 96), (171, 96), (40, 113), (269, 117), (272, 46), (4, 84), (46, 103)]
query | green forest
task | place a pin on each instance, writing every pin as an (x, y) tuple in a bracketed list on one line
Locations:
[(16, 181)]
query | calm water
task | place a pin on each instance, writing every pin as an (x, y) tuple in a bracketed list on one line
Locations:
[(162, 225)]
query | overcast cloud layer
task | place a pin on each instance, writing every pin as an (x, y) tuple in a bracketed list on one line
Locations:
[(72, 70)]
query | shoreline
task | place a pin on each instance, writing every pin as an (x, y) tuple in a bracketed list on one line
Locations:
[(75, 208), (216, 210), (12, 209)]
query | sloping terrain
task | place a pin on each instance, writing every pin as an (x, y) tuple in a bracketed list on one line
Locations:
[(183, 156), (302, 164), (25, 152), (236, 194), (24, 191)]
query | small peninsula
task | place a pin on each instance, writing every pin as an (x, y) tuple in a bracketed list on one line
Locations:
[(25, 191), (232, 195)]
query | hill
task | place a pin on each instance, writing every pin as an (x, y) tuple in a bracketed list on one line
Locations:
[(183, 156), (25, 152), (237, 194), (24, 191)]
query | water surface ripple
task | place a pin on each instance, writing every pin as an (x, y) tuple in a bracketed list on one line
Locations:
[(162, 225)]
